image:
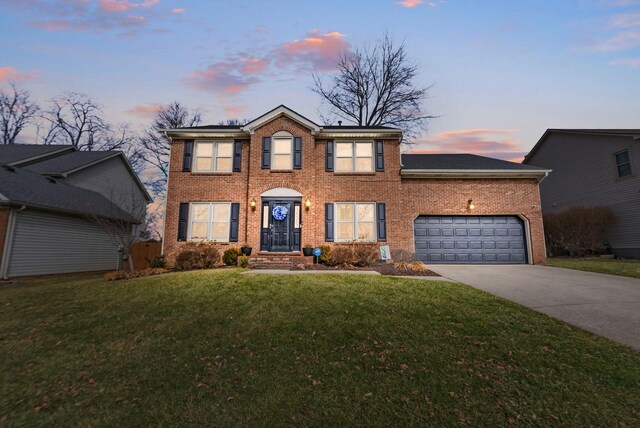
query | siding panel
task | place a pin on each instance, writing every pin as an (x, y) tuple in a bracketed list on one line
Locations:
[(49, 243), (584, 173)]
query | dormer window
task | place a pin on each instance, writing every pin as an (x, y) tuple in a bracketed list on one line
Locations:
[(623, 163), (282, 151), (213, 156)]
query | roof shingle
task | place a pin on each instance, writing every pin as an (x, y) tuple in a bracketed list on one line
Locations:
[(459, 162)]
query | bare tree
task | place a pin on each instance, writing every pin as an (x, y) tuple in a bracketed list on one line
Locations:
[(74, 119), (375, 87), (16, 111), (233, 122), (123, 223), (157, 145)]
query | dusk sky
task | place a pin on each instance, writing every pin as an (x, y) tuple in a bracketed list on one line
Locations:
[(502, 71)]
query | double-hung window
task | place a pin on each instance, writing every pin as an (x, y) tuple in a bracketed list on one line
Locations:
[(355, 221), (354, 156), (209, 221), (213, 156), (623, 163), (282, 151)]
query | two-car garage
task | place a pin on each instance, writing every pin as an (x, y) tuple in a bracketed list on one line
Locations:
[(470, 239)]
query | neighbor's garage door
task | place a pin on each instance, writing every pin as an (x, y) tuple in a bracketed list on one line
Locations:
[(467, 239)]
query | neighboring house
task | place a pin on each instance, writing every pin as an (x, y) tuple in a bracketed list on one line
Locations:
[(50, 197), (281, 182), (594, 167)]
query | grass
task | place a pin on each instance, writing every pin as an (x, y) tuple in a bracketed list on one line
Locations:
[(629, 268), (220, 348)]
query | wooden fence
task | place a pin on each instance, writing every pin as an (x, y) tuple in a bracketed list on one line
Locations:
[(142, 253)]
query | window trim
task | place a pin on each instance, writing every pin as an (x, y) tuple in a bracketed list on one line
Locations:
[(354, 156), (336, 221), (214, 156), (209, 222), (282, 136), (617, 165)]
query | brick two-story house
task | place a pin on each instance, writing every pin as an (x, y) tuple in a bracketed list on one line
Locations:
[(281, 182)]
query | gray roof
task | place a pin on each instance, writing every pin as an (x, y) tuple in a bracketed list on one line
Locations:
[(15, 153), (69, 162), (459, 162), (21, 187)]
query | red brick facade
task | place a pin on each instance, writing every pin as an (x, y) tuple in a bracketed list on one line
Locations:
[(405, 198)]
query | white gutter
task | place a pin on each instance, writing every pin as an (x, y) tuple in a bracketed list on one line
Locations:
[(478, 173), (8, 242)]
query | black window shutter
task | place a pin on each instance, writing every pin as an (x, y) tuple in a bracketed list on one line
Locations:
[(379, 155), (328, 222), (183, 221), (187, 156), (381, 218), (237, 155), (234, 223), (297, 152), (266, 152), (329, 155)]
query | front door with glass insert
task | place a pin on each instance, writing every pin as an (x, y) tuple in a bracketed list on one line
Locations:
[(281, 225)]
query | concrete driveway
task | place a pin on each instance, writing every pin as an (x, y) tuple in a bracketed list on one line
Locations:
[(603, 304)]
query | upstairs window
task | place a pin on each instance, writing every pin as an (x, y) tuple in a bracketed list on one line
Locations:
[(282, 151), (355, 221), (354, 156), (210, 221), (213, 156), (623, 163)]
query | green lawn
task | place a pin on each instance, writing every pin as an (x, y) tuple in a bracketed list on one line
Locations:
[(220, 348), (611, 266)]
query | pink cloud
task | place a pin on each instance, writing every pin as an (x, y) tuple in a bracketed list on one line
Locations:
[(234, 111), (619, 42), (124, 5), (253, 65), (225, 76), (498, 143), (414, 3), (10, 74), (626, 20), (317, 50), (145, 111), (178, 10)]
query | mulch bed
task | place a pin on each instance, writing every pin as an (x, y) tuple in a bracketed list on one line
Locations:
[(383, 268)]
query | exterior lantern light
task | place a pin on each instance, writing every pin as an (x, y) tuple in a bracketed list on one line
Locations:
[(307, 204), (470, 205), (253, 204)]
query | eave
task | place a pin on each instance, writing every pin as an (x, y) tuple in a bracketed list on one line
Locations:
[(540, 174)]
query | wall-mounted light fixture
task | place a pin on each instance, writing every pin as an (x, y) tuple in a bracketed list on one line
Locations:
[(470, 205), (307, 204), (252, 203)]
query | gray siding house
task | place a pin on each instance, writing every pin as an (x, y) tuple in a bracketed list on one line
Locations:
[(49, 196), (594, 167)]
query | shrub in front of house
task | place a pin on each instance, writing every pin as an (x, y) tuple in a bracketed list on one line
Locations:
[(325, 253), (230, 257), (402, 256), (202, 256), (243, 261), (353, 254), (577, 231), (157, 262)]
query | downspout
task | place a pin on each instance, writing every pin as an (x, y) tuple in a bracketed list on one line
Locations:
[(8, 242)]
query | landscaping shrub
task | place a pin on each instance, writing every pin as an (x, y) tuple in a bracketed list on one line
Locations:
[(244, 261), (324, 255), (402, 256), (230, 257), (157, 262), (577, 231), (355, 254), (198, 256), (121, 274)]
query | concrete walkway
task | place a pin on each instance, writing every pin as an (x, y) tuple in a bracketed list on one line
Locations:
[(607, 305), (298, 272)]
